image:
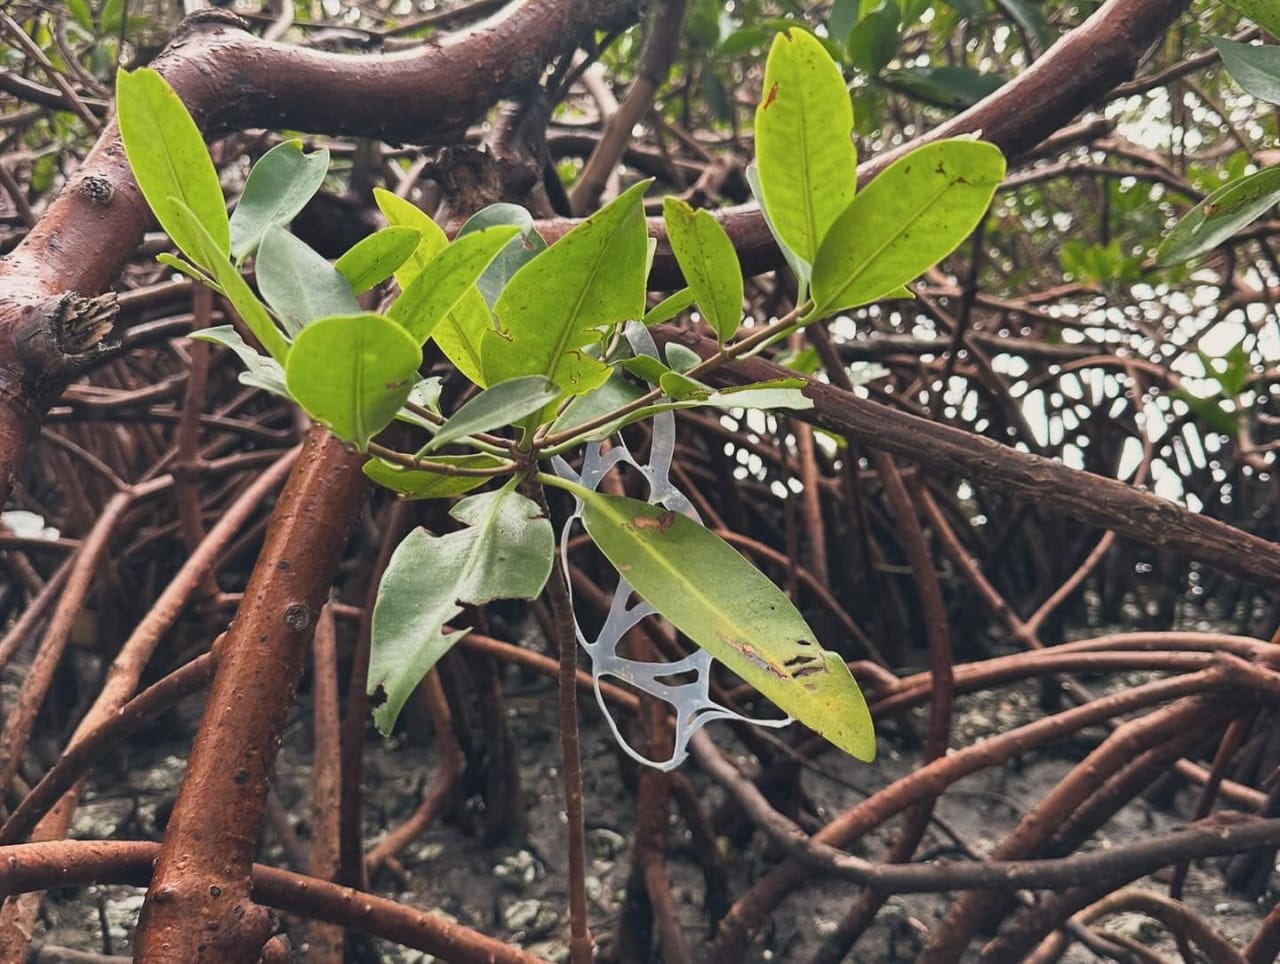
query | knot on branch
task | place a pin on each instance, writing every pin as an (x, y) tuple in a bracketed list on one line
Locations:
[(212, 17), (60, 338)]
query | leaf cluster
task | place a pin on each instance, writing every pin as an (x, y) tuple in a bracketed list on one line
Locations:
[(538, 330)]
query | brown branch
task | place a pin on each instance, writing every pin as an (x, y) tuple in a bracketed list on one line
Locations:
[(198, 904), (1084, 496), (72, 863)]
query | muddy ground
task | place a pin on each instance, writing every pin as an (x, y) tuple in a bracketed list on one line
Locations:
[(516, 890)]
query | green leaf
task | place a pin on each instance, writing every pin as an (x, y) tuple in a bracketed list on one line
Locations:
[(169, 161), (278, 187), (589, 281), (746, 40), (1255, 68), (681, 358), (646, 367), (843, 17), (875, 40), (246, 303), (1265, 13), (682, 387), (709, 262), (969, 9), (1209, 411), (908, 219), (421, 484), (953, 87), (112, 11), (614, 394), (438, 288), (779, 393), (425, 394), (260, 371), (431, 241), (717, 599), (518, 252), (505, 552), (371, 261), (187, 268), (802, 269), (461, 335), (495, 407), (298, 283), (1231, 370), (352, 373), (1030, 20), (1220, 215), (668, 307), (808, 166), (81, 14)]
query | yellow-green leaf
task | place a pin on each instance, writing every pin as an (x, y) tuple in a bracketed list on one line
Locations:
[(905, 221), (352, 373), (709, 263), (431, 241), (808, 166), (726, 606), (169, 160), (589, 281)]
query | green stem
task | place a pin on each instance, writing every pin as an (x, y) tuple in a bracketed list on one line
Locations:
[(748, 345), (439, 468)]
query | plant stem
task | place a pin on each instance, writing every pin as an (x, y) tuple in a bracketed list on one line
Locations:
[(580, 945), (747, 346), (439, 468)]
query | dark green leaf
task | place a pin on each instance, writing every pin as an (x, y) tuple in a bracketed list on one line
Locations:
[(745, 40), (298, 283), (278, 187), (112, 11), (1255, 68), (169, 161), (953, 87), (372, 260), (843, 17), (1220, 215), (352, 373), (717, 599), (969, 9), (1208, 411), (908, 219), (709, 263), (495, 407), (614, 394), (505, 552), (1030, 20), (874, 41)]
